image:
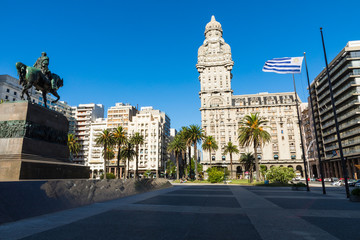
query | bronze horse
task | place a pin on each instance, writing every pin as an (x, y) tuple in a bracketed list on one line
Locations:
[(30, 76)]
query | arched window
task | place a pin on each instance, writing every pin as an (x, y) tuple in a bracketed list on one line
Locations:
[(216, 102)]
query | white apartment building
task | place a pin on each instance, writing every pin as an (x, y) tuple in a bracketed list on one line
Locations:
[(85, 114), (10, 89), (221, 111), (95, 153), (154, 125)]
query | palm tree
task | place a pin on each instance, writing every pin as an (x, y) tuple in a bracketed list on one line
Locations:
[(248, 160), (109, 153), (184, 133), (127, 153), (230, 148), (177, 146), (120, 138), (210, 145), (106, 139), (196, 134), (137, 140), (73, 145), (251, 132)]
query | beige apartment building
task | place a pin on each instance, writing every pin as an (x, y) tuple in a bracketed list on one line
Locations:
[(221, 111), (120, 115)]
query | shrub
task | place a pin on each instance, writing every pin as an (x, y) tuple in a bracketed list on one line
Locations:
[(108, 176), (280, 174), (299, 184), (355, 192), (216, 174)]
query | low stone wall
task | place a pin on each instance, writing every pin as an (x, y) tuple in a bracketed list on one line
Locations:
[(26, 199)]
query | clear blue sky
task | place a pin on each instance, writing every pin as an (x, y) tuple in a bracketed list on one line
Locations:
[(144, 52)]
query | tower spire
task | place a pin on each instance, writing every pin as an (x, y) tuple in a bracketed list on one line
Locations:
[(213, 18)]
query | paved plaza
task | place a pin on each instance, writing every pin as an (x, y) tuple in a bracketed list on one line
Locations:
[(202, 212)]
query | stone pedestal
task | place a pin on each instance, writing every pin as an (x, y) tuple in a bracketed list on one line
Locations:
[(33, 144)]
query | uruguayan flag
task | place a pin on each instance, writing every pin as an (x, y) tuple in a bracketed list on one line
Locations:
[(284, 65)]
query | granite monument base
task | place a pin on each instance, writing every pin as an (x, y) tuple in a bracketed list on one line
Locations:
[(33, 144)]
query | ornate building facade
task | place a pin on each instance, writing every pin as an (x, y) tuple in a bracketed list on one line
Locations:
[(221, 111)]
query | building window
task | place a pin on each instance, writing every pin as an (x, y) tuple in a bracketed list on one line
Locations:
[(15, 93), (6, 97), (293, 156), (276, 156), (7, 90)]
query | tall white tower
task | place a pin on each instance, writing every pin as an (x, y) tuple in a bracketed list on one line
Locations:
[(214, 65)]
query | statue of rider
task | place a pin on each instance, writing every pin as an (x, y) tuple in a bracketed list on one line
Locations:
[(42, 63)]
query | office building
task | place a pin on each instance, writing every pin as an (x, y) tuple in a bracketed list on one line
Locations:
[(221, 111), (345, 78)]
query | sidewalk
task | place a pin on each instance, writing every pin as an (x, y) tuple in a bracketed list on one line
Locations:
[(202, 212)]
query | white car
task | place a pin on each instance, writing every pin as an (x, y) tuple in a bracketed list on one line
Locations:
[(338, 183)]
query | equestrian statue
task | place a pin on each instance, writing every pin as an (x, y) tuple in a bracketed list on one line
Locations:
[(40, 77)]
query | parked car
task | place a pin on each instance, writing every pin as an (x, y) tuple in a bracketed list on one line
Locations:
[(357, 185), (338, 183), (353, 183)]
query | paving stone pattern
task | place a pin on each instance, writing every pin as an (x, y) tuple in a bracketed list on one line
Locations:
[(202, 212)]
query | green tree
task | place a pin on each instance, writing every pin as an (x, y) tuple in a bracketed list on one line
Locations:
[(109, 153), (170, 168), (184, 133), (137, 140), (249, 161), (251, 132), (280, 174), (176, 146), (127, 153), (120, 138), (148, 173), (73, 145), (230, 148), (195, 135), (192, 166), (216, 174), (263, 169), (106, 139), (209, 145), (108, 176)]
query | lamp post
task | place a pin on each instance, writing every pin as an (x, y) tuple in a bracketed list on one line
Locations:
[(224, 165)]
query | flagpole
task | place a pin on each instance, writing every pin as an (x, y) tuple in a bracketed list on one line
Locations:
[(315, 130), (343, 164), (301, 137)]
